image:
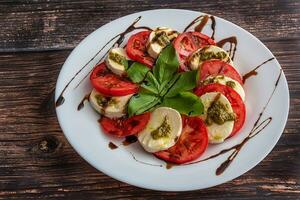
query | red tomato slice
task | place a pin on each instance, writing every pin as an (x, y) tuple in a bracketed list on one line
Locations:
[(136, 48), (234, 98), (218, 67), (188, 42), (192, 143), (110, 84), (124, 127)]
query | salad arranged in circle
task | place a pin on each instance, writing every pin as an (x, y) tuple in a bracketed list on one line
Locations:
[(176, 92)]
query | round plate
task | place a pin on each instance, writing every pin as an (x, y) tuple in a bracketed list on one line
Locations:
[(266, 93)]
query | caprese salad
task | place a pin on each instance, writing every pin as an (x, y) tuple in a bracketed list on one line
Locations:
[(176, 92)]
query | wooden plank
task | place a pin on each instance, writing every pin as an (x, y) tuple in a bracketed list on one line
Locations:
[(36, 161), (47, 25)]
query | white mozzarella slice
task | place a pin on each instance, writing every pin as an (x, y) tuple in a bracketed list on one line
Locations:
[(162, 130), (217, 133), (111, 107), (159, 39), (209, 52), (114, 60), (116, 106), (96, 100), (225, 80)]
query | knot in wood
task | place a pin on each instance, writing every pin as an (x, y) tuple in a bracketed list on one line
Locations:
[(48, 144)]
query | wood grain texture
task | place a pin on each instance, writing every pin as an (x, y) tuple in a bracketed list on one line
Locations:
[(36, 161), (40, 25)]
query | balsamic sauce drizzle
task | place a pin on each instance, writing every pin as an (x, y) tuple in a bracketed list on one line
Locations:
[(121, 36), (142, 162), (233, 43), (81, 104), (253, 72), (112, 146), (129, 140), (203, 21)]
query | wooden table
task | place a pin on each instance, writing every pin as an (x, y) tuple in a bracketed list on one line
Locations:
[(36, 161)]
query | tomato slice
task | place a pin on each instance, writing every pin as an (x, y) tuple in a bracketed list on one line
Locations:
[(192, 143), (218, 67), (110, 84), (124, 127), (234, 98), (188, 42), (136, 48)]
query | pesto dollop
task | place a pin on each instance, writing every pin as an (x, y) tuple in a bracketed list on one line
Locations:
[(218, 113), (161, 38), (162, 131), (211, 55), (230, 84), (116, 58), (102, 101)]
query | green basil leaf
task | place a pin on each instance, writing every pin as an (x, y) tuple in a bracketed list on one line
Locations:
[(125, 63), (187, 81), (137, 72), (166, 86), (151, 84), (166, 64), (186, 103), (140, 103)]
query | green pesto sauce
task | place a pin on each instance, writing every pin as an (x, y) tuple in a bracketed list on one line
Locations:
[(218, 113), (161, 38), (230, 84), (162, 131), (101, 101), (212, 80), (112, 102), (116, 58), (208, 81), (208, 55)]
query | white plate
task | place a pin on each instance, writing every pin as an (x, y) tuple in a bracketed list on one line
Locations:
[(84, 134)]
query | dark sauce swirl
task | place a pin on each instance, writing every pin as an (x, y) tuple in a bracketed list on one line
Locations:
[(253, 72), (203, 19), (233, 44)]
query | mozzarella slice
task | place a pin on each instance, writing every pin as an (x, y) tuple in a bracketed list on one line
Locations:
[(162, 130), (209, 52), (96, 100), (114, 60), (225, 80), (111, 107), (159, 39), (116, 107), (217, 133)]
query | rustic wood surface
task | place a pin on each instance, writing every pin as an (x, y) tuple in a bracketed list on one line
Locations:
[(36, 161)]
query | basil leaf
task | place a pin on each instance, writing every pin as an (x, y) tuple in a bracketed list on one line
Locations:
[(165, 87), (140, 103), (186, 103), (125, 63), (137, 72), (186, 82), (151, 84), (166, 65)]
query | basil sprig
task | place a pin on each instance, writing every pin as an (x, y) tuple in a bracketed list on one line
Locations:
[(164, 86)]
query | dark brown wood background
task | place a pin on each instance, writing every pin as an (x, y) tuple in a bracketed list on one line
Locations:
[(36, 161)]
